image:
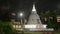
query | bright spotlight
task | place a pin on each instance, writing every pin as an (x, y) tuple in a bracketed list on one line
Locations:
[(21, 14)]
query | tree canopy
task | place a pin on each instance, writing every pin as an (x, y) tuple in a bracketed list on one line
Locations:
[(6, 28)]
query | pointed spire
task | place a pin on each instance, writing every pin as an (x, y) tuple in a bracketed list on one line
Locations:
[(33, 7)]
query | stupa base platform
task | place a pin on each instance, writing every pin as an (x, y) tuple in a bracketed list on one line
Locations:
[(41, 29), (35, 29)]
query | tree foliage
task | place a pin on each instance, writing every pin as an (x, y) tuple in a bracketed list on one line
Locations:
[(6, 28), (51, 22)]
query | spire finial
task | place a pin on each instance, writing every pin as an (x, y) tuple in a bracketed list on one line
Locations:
[(34, 7)]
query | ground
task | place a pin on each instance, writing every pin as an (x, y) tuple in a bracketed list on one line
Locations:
[(56, 32)]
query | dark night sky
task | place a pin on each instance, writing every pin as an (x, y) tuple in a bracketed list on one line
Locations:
[(15, 6)]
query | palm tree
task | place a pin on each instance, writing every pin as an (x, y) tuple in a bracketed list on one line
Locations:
[(45, 15), (53, 21), (50, 22), (55, 13)]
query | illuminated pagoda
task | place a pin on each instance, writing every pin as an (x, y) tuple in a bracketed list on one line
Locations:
[(34, 23)]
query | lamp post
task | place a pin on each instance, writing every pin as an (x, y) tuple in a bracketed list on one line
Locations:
[(21, 15)]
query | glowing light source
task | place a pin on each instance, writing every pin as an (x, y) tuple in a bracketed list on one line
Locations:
[(33, 26), (16, 26), (30, 26), (44, 26), (21, 14)]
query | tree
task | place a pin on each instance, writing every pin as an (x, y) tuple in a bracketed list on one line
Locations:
[(6, 28), (45, 15), (52, 23), (51, 18)]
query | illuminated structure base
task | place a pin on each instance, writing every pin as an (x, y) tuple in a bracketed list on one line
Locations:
[(34, 28), (34, 22), (44, 29)]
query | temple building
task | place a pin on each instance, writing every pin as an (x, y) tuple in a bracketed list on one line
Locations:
[(34, 19), (33, 24)]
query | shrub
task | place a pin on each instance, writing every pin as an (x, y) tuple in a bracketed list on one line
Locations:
[(6, 28)]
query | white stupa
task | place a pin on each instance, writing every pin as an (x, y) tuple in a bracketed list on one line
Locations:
[(34, 22), (34, 19)]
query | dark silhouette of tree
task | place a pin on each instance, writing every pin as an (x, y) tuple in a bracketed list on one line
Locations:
[(6, 28)]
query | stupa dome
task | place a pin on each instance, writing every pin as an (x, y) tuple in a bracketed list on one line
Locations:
[(34, 17), (34, 22)]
